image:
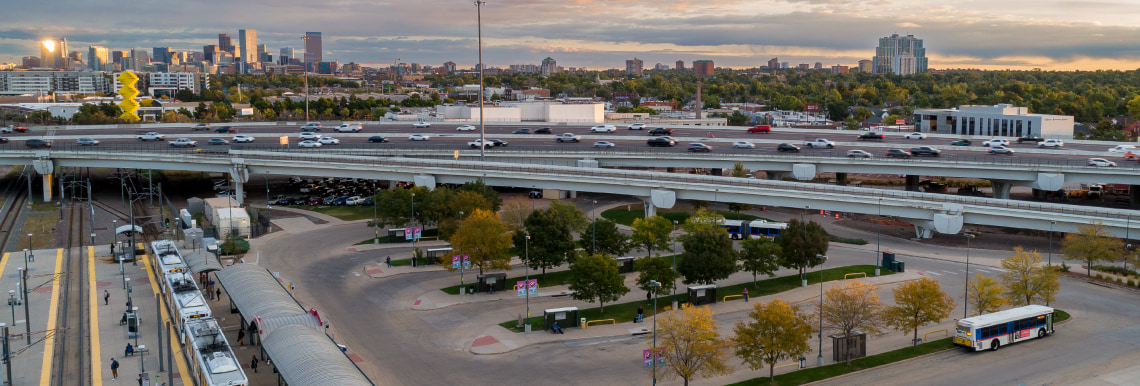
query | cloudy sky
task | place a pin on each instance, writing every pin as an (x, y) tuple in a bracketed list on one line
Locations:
[(987, 34)]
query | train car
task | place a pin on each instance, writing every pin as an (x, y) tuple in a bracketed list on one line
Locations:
[(183, 293), (168, 258), (211, 358)]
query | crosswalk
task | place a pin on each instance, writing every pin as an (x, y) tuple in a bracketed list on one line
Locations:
[(986, 270)]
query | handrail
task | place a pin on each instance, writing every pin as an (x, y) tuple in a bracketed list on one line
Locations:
[(864, 275), (613, 322), (725, 299), (944, 332)]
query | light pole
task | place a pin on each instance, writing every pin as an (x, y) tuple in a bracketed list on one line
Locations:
[(414, 262), (966, 295), (375, 219), (819, 359), (878, 233), (482, 127), (653, 284), (1051, 223), (527, 247), (12, 303), (674, 266), (27, 313), (803, 274), (594, 225)]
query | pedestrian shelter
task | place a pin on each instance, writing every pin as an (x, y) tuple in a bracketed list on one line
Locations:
[(841, 346), (397, 236), (566, 317), (491, 281), (625, 264), (436, 255), (702, 294)]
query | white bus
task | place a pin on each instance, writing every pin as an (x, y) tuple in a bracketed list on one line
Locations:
[(753, 228), (990, 331)]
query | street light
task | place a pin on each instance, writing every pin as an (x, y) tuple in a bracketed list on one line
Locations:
[(803, 276), (674, 266), (414, 262), (31, 254), (966, 295), (12, 303), (482, 127), (594, 225), (819, 359), (527, 265), (1051, 223), (653, 350), (878, 232)]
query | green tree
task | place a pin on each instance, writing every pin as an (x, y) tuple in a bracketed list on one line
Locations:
[(692, 346), (651, 233), (773, 332), (606, 236), (488, 192), (760, 256), (737, 119), (709, 256), (657, 268), (800, 244), (918, 303), (702, 219), (1134, 107), (393, 207), (596, 277), (551, 241), (1092, 243), (1025, 280)]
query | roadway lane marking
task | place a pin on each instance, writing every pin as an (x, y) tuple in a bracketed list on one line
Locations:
[(49, 341), (934, 273), (979, 269), (998, 269), (183, 371), (951, 273), (93, 302)]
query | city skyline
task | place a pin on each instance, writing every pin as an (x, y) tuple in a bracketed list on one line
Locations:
[(1016, 34)]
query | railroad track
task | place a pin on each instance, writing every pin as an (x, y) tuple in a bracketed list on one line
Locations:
[(72, 351), (17, 198)]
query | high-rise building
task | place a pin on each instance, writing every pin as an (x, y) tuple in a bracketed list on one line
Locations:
[(902, 55), (549, 66), (161, 54), (286, 56), (262, 55), (98, 58), (31, 62), (225, 43), (53, 53), (313, 47), (774, 64), (865, 66), (117, 56), (449, 66), (633, 67), (247, 45), (703, 67), (680, 64), (208, 52), (818, 65)]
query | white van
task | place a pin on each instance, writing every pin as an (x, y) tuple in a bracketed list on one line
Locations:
[(1121, 149)]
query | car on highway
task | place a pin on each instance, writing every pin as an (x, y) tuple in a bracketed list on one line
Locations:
[(243, 139), (603, 129), (1122, 149), (311, 126), (349, 128), (636, 126), (1056, 143), (897, 153), (604, 144), (308, 144), (3, 140), (87, 141), (858, 154), (996, 142), (522, 131), (925, 150), (544, 130), (225, 130), (37, 144), (1030, 138), (421, 125), (217, 141), (1100, 162), (787, 147), (328, 141), (465, 128), (150, 136), (660, 131), (820, 142), (12, 129), (1132, 156), (498, 142), (871, 136), (476, 143), (309, 136), (662, 141), (200, 126), (568, 137), (743, 145), (915, 136), (1000, 150), (961, 142), (698, 147), (377, 139), (419, 137), (760, 129), (183, 142)]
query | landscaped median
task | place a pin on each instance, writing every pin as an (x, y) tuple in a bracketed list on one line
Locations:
[(627, 312)]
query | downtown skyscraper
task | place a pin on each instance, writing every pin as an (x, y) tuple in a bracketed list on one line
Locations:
[(901, 55), (247, 46), (313, 50)]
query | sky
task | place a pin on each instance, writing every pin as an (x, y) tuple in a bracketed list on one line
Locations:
[(1059, 35)]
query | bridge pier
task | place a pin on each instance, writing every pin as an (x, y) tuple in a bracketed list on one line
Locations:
[(45, 167), (841, 179), (1001, 189), (912, 182), (923, 231), (650, 210), (47, 187), (240, 175)]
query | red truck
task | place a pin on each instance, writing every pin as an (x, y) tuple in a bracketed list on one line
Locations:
[(760, 129)]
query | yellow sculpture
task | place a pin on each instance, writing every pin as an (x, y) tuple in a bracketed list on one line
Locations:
[(129, 92)]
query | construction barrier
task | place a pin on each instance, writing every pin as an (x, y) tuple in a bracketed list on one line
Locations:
[(613, 322)]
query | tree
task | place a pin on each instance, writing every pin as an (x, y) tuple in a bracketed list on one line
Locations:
[(775, 331), (703, 219), (709, 256), (596, 277), (985, 294), (485, 238), (852, 306), (737, 119), (393, 207), (651, 233), (464, 201), (800, 244), (515, 212), (918, 303), (1134, 107), (760, 256), (692, 346), (1025, 279), (551, 241), (489, 193), (655, 268), (1092, 243), (606, 236), (569, 215)]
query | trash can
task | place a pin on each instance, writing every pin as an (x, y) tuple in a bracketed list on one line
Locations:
[(901, 266), (566, 317), (702, 294), (625, 264), (894, 266), (888, 258)]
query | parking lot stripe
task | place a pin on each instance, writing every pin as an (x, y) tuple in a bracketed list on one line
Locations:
[(53, 309), (952, 273)]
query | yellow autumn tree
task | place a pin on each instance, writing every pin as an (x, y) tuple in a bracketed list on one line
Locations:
[(484, 237), (1092, 243), (849, 307), (985, 294), (918, 303), (692, 346), (1026, 280), (773, 332)]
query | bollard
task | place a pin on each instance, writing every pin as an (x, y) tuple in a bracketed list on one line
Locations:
[(583, 324)]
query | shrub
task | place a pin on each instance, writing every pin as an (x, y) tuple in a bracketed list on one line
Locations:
[(855, 241), (1119, 280), (1116, 270), (1065, 267), (1099, 276), (1131, 283)]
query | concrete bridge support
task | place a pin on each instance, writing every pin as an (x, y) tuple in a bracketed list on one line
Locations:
[(775, 176), (240, 175), (424, 180), (912, 182), (841, 179), (45, 167), (1001, 189)]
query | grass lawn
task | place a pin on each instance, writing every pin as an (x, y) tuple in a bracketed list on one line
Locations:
[(626, 312), (346, 213), (834, 370), (626, 217), (42, 227), (1060, 316)]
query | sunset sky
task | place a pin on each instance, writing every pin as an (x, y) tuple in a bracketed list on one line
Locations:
[(986, 34)]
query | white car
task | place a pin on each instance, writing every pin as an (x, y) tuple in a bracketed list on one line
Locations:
[(348, 128), (328, 141), (1051, 143), (243, 139), (996, 142), (1120, 149), (858, 154), (419, 137), (309, 136), (421, 125), (1000, 150), (309, 144), (604, 144), (915, 136), (636, 126), (743, 145), (603, 129), (183, 142), (465, 128), (354, 201), (1101, 162)]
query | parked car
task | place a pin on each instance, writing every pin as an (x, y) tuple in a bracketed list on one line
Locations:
[(226, 130), (37, 144), (309, 136), (421, 125), (328, 141), (660, 131), (915, 136), (342, 200), (603, 129), (310, 144), (200, 126), (243, 139), (996, 142), (87, 141), (925, 150), (743, 145), (699, 147), (636, 126), (961, 142), (354, 201), (183, 142), (897, 153), (377, 139), (1000, 150), (419, 137), (871, 136), (465, 128), (858, 154), (661, 141), (522, 131), (217, 141), (787, 147), (760, 129), (544, 130), (535, 193), (604, 144), (1101, 162)]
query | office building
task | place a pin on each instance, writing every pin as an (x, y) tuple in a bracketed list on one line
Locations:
[(774, 64), (208, 52), (286, 56), (902, 55), (1001, 120), (169, 83), (225, 43), (449, 66), (549, 66), (31, 62), (98, 58), (803, 67), (680, 65), (247, 46), (331, 67), (313, 47), (162, 54), (703, 67), (53, 54), (865, 66), (818, 65), (633, 67)]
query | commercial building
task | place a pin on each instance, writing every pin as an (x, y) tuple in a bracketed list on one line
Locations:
[(286, 56), (98, 58), (549, 66), (680, 65), (902, 55), (313, 53), (43, 82), (53, 53), (247, 46), (170, 82), (703, 67), (633, 67), (774, 64), (225, 43), (1001, 120)]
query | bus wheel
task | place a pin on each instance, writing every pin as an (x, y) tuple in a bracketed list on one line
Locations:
[(994, 346), (1041, 333)]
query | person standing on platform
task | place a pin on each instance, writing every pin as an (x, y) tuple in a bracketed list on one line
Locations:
[(106, 297), (114, 369), (241, 336), (253, 364)]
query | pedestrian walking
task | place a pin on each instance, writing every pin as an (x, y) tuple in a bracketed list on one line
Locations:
[(253, 364), (389, 261), (218, 293), (640, 314), (112, 249), (106, 298), (211, 284), (114, 369), (241, 336), (746, 294)]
